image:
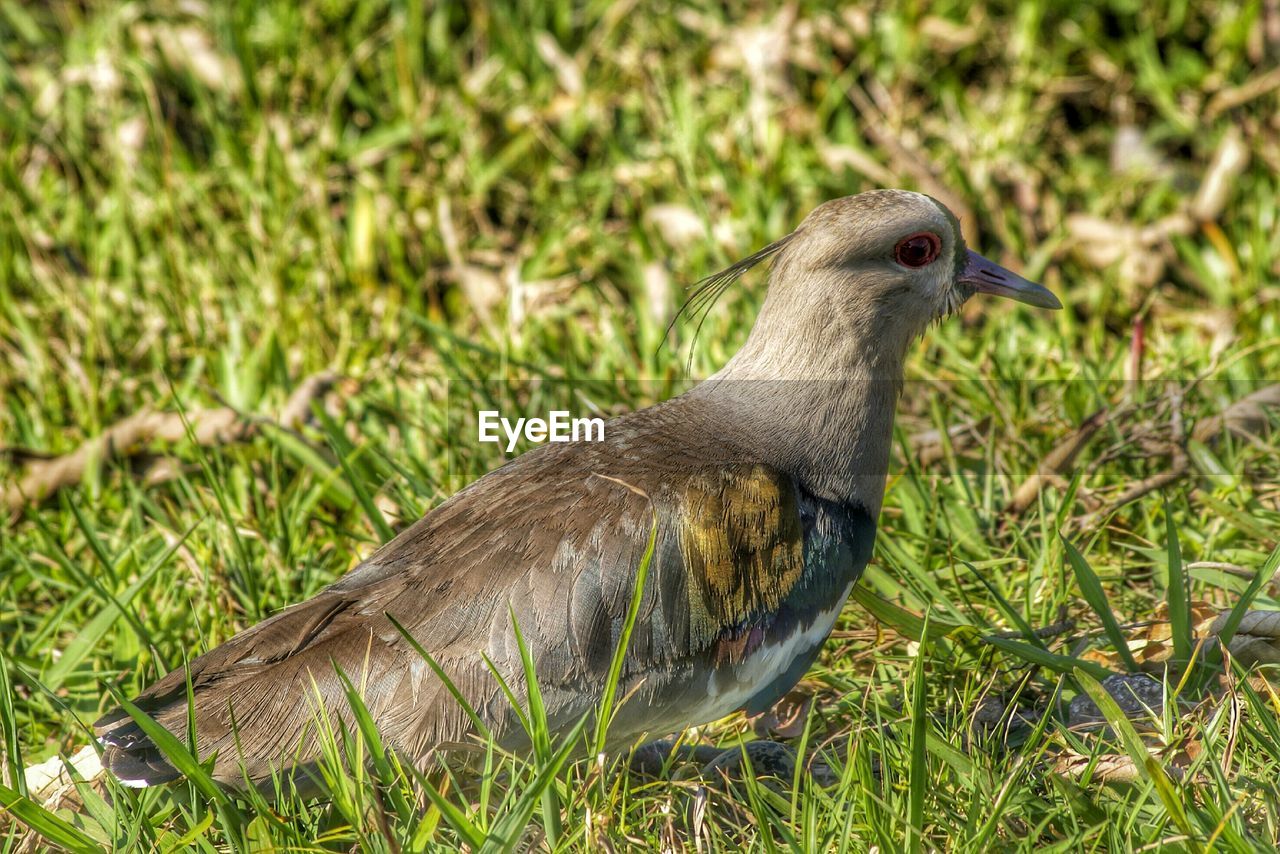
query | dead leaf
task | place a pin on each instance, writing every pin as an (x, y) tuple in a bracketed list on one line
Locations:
[(840, 157), (657, 289), (44, 777), (678, 225), (482, 288), (1229, 161), (1141, 250), (1108, 768), (192, 48), (760, 50), (946, 36), (568, 74), (1257, 638), (1202, 616), (1246, 417), (928, 447), (1133, 154)]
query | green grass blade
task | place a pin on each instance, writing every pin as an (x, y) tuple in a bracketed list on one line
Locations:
[(1179, 597), (918, 784), (901, 620), (1091, 589), (1049, 660), (92, 633), (506, 834), (91, 537), (476, 721), (182, 759), (1133, 745), (510, 696), (455, 818), (375, 749), (9, 729), (607, 710), (539, 732), (1169, 797), (762, 801), (1011, 612), (346, 455), (1265, 573), (59, 553), (49, 826), (1129, 737)]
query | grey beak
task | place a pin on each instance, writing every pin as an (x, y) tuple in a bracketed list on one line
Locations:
[(988, 277)]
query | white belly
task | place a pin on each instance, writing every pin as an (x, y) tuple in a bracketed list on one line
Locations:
[(761, 667)]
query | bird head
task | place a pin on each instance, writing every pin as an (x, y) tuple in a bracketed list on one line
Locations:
[(901, 258), (869, 273)]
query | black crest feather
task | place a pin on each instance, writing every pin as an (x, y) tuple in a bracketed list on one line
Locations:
[(704, 293)]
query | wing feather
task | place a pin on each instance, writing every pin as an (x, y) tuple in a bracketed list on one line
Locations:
[(554, 538)]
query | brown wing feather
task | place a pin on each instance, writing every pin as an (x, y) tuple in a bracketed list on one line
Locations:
[(553, 538)]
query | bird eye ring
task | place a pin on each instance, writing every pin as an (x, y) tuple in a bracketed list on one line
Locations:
[(917, 250)]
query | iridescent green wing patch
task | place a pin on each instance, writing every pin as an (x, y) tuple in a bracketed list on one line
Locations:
[(741, 541)]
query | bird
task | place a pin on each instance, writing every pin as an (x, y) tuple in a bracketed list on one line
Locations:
[(761, 488)]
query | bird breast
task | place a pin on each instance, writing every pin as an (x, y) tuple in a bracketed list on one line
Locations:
[(730, 686)]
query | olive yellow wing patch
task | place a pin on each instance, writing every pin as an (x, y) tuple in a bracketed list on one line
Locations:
[(742, 543)]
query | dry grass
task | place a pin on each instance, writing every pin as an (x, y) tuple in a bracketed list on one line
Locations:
[(205, 203)]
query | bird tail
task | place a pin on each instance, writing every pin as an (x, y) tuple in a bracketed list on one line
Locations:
[(130, 754)]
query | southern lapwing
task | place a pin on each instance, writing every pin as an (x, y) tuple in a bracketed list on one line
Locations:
[(764, 483)]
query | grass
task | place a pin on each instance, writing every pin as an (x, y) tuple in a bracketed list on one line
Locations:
[(204, 204)]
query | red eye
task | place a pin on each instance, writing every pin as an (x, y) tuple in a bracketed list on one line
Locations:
[(917, 250)]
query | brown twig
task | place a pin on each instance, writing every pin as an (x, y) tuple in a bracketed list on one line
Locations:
[(1271, 27), (1052, 630), (1059, 460), (929, 446), (130, 437), (1235, 96), (1247, 417), (1179, 465)]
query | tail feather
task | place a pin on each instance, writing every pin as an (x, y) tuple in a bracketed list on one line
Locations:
[(254, 699), (129, 753), (138, 765)]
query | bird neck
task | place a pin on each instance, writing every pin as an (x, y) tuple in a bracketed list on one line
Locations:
[(816, 402)]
